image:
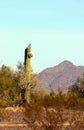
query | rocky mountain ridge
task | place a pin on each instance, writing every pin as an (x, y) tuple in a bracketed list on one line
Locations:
[(60, 76)]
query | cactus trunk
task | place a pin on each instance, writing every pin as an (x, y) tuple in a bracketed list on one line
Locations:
[(28, 56)]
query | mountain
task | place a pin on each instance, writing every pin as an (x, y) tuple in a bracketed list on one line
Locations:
[(60, 76)]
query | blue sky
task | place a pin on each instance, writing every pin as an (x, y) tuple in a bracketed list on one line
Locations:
[(55, 29)]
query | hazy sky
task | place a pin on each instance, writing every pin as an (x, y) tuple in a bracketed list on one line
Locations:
[(55, 29)]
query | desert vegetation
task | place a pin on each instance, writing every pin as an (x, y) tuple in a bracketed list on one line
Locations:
[(53, 111)]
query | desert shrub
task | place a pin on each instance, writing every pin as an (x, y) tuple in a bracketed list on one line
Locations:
[(78, 87), (71, 100), (9, 89), (81, 103), (48, 117)]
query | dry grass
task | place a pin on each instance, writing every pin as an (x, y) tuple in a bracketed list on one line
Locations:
[(40, 117), (53, 112)]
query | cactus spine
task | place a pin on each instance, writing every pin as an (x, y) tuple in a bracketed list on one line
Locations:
[(28, 56)]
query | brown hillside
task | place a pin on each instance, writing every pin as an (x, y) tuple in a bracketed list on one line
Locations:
[(61, 76)]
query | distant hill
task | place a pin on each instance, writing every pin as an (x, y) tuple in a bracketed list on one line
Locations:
[(60, 76)]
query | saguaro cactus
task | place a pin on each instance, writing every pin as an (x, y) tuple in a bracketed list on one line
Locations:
[(28, 56)]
